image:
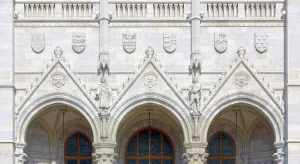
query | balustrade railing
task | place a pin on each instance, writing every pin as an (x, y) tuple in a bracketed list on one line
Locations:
[(131, 10), (152, 9), (33, 10), (260, 9), (74, 10), (222, 9)]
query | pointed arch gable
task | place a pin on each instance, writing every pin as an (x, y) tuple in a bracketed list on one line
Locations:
[(178, 112), (24, 119), (270, 112)]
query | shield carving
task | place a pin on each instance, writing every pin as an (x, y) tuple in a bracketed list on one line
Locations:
[(221, 42), (169, 40), (129, 42), (37, 42), (78, 42), (261, 42)]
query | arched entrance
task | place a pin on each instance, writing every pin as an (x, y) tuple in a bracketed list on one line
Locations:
[(240, 134), (78, 149), (221, 149), (149, 144), (162, 123), (60, 135)]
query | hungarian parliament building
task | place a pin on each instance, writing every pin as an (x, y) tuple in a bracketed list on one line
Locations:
[(150, 82)]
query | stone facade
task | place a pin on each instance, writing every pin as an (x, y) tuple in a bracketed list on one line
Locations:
[(199, 66)]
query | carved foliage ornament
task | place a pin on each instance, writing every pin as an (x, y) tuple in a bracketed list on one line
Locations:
[(129, 42), (150, 79), (261, 42), (221, 42), (78, 42), (241, 79), (37, 42), (169, 42)]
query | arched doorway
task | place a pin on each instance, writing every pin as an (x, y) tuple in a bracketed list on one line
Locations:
[(78, 149), (149, 144), (221, 149)]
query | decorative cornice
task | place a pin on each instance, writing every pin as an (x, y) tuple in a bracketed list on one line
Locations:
[(242, 59), (40, 79)]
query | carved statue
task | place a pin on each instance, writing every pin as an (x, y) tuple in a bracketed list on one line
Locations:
[(103, 95), (195, 96)]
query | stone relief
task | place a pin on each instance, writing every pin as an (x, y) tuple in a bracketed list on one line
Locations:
[(241, 79), (58, 79), (150, 79), (103, 95), (78, 42), (221, 42), (261, 42), (38, 42), (169, 42), (129, 42), (195, 96)]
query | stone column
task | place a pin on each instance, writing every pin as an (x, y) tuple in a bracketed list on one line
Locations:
[(195, 24), (195, 153), (104, 153), (279, 155), (19, 153), (103, 28), (7, 88), (292, 83)]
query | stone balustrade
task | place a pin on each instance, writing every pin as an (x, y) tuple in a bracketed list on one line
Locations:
[(131, 10), (136, 9), (260, 9), (168, 10), (33, 10), (77, 10), (222, 9)]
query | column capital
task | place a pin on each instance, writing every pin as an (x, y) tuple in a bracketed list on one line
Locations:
[(195, 158), (279, 157), (105, 158), (19, 152)]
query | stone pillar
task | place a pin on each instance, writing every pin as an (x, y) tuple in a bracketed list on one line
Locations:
[(279, 155), (7, 87), (195, 22), (103, 28), (292, 83), (105, 153), (195, 153), (53, 158), (19, 153)]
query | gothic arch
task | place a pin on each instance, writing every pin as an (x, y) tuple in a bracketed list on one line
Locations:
[(178, 112), (27, 115), (272, 114)]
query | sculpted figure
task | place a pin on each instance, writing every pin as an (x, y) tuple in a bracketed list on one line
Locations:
[(103, 95), (195, 96)]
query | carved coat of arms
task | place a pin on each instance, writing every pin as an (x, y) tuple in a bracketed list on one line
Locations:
[(129, 42), (78, 42), (261, 42), (38, 42), (221, 42), (170, 42)]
